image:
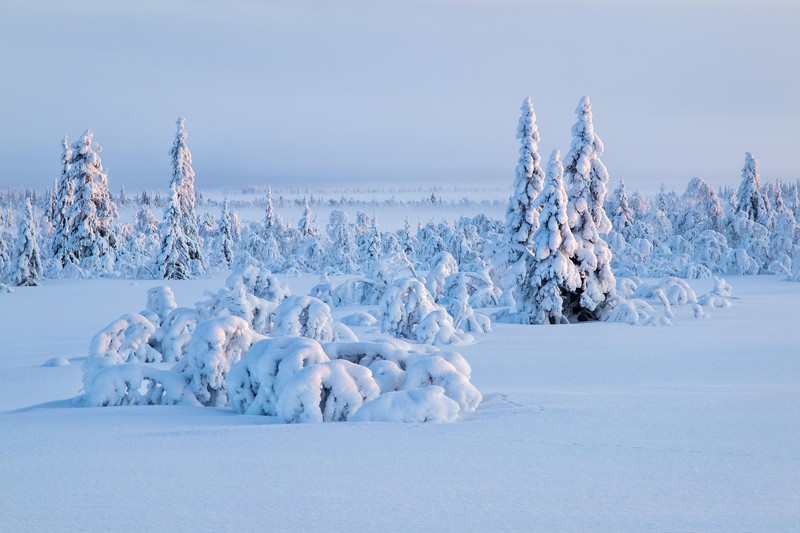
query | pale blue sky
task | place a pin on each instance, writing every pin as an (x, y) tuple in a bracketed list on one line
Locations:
[(383, 92)]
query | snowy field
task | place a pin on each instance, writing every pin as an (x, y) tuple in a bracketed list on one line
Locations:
[(592, 426)]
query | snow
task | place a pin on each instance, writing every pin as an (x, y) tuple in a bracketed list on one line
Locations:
[(593, 426)]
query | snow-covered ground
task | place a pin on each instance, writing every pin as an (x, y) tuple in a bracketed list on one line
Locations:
[(583, 427)]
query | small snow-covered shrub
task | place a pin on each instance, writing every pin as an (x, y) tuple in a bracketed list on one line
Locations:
[(160, 303), (436, 370), (718, 296), (256, 382), (172, 338), (444, 266), (323, 291), (125, 340), (437, 328), (387, 374), (634, 312), (404, 306), (216, 345), (304, 316), (326, 392), (428, 404), (133, 384), (236, 301), (358, 291), (259, 282), (365, 353)]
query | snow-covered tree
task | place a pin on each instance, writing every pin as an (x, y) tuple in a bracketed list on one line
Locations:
[(183, 182), (621, 212), (173, 262), (343, 255), (65, 197), (374, 244), (521, 215), (708, 205), (5, 257), (551, 273), (751, 199), (588, 178), (145, 221), (27, 262), (306, 223), (225, 243), (270, 221), (92, 238)]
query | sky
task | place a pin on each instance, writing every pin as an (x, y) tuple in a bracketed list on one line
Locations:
[(390, 92)]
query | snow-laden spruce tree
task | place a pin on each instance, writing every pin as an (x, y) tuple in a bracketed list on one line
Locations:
[(707, 205), (92, 238), (374, 243), (587, 180), (750, 198), (343, 255), (173, 262), (225, 244), (27, 262), (551, 273), (65, 197), (271, 225), (521, 213), (620, 209), (5, 258), (183, 182), (306, 223)]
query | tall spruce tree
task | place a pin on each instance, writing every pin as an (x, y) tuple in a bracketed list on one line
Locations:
[(551, 274), (183, 181), (587, 180), (65, 197), (521, 213)]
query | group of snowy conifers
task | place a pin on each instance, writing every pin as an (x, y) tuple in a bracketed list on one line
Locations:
[(749, 230), (560, 261), (256, 348)]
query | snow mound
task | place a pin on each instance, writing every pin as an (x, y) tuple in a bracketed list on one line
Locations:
[(360, 318), (428, 404), (56, 361), (435, 370)]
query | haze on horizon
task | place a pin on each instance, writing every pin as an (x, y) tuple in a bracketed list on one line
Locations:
[(390, 92)]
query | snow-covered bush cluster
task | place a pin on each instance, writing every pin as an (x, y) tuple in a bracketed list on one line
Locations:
[(642, 304), (256, 348)]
